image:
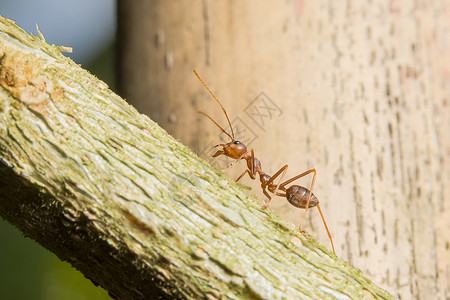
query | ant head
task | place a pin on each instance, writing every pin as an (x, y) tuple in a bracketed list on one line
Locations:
[(233, 149)]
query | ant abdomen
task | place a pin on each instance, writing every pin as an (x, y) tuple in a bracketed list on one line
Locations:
[(298, 197)]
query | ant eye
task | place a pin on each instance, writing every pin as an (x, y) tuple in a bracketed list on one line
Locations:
[(237, 142)]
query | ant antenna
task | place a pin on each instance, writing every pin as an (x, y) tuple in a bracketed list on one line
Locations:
[(203, 113), (225, 112)]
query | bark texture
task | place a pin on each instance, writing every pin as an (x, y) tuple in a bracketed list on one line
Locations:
[(104, 188), (358, 90)]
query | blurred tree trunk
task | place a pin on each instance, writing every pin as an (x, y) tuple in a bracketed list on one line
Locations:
[(359, 91)]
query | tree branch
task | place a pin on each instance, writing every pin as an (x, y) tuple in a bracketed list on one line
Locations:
[(104, 188)]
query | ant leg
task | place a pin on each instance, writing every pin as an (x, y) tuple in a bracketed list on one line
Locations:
[(309, 198), (218, 152), (326, 227), (310, 190), (267, 194), (298, 176), (270, 199), (252, 171), (230, 165), (252, 163), (282, 185), (246, 171), (281, 171)]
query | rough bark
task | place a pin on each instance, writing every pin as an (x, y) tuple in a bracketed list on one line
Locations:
[(359, 90), (104, 188)]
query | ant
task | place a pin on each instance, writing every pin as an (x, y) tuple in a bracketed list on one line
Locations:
[(297, 195)]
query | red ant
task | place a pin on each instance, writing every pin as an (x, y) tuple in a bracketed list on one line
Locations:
[(297, 195)]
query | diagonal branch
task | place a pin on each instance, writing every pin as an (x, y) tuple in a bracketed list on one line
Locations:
[(104, 188)]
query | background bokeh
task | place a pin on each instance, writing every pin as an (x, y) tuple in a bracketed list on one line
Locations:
[(27, 270)]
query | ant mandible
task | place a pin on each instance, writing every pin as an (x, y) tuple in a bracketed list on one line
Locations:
[(297, 195)]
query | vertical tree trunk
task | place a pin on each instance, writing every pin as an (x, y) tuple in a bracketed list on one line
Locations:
[(358, 91)]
